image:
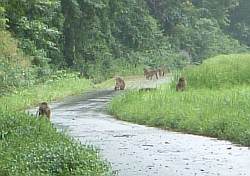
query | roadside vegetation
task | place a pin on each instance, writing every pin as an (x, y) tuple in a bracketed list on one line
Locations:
[(32, 146), (216, 102), (53, 89)]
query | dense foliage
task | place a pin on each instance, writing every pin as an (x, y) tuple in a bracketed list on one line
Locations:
[(38, 26), (99, 38), (240, 22), (196, 27)]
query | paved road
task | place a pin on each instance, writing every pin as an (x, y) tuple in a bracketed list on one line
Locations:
[(136, 150)]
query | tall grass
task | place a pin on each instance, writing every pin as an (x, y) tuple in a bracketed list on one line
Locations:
[(223, 71), (44, 92), (32, 146), (211, 106)]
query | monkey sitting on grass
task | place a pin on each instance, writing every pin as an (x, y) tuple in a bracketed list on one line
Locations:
[(181, 85), (44, 110)]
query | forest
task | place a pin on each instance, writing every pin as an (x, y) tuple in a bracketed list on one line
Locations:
[(50, 49), (102, 38)]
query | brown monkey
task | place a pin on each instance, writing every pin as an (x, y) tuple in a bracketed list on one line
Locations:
[(44, 110), (150, 73), (181, 85), (120, 83), (163, 70), (160, 71), (146, 72)]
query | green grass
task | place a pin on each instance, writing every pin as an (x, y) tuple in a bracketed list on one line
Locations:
[(105, 84), (211, 106), (222, 71), (53, 90), (32, 146)]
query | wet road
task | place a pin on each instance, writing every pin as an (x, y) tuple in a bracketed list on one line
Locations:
[(136, 150)]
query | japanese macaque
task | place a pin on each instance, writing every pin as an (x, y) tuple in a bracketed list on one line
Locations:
[(145, 71), (150, 73), (163, 70), (160, 72), (120, 83), (181, 85), (44, 110)]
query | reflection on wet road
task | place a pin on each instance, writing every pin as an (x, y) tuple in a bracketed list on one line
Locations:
[(135, 150)]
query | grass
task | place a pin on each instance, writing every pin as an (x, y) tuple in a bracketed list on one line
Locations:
[(215, 104), (105, 84), (223, 71), (52, 90), (32, 146)]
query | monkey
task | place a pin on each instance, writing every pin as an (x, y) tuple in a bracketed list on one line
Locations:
[(181, 85), (145, 71), (146, 89), (163, 70), (44, 110), (150, 73), (160, 72), (120, 83)]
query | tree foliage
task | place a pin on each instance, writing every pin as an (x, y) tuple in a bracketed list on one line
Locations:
[(38, 26), (240, 22), (100, 32), (99, 37)]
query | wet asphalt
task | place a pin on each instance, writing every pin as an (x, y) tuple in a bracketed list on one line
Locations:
[(137, 150)]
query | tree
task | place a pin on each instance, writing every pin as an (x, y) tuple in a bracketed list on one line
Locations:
[(38, 25), (240, 22), (218, 9)]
